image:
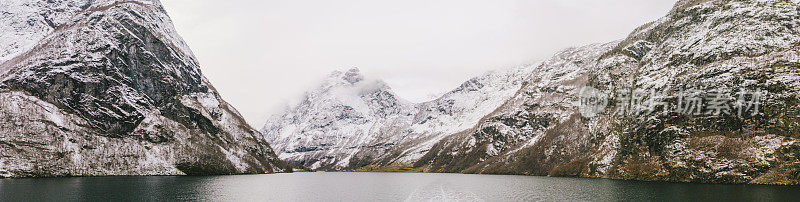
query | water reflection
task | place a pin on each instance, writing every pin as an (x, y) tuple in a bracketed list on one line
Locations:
[(374, 187)]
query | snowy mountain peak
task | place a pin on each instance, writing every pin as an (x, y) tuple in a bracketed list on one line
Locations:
[(353, 75), (350, 90), (349, 77), (352, 119), (343, 85)]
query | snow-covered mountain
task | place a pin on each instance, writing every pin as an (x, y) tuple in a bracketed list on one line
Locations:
[(346, 114), (715, 52), (106, 87), (550, 98), (666, 87), (350, 120)]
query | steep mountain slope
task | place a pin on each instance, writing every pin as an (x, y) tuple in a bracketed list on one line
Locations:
[(535, 114), (109, 88), (675, 87), (349, 121)]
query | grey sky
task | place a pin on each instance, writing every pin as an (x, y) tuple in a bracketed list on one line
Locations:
[(262, 54)]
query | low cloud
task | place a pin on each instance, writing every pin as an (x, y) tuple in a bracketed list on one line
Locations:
[(260, 54)]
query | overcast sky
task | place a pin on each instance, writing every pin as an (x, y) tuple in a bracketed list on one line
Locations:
[(263, 54)]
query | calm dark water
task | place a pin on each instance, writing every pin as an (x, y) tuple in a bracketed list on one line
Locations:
[(376, 187)]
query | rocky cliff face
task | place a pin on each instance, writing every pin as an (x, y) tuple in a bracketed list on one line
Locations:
[(707, 93), (109, 88)]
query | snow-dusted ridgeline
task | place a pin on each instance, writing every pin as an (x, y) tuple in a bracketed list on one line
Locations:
[(717, 45)]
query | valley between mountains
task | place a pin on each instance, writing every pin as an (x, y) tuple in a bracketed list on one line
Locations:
[(108, 87)]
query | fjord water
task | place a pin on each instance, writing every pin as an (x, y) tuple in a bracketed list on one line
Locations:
[(323, 186)]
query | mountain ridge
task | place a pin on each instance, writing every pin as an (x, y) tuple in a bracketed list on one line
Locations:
[(412, 121)]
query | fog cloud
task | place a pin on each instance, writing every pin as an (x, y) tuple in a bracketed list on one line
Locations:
[(260, 54)]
